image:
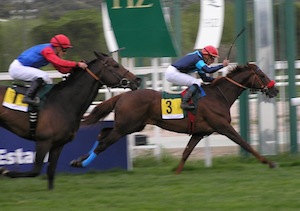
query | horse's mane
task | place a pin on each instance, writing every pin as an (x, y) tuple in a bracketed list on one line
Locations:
[(73, 75), (232, 71)]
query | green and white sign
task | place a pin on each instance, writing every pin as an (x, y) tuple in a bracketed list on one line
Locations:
[(138, 26)]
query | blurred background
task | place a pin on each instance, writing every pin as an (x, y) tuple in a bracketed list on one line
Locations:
[(24, 23), (27, 22)]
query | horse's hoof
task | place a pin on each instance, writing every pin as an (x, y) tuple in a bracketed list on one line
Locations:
[(178, 171), (3, 171), (76, 164), (273, 165)]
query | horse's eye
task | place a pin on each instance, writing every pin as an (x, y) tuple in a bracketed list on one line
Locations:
[(116, 65)]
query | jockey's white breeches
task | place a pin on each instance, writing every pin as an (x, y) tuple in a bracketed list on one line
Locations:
[(183, 79), (24, 73)]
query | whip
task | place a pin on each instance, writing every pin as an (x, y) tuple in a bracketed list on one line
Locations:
[(239, 34)]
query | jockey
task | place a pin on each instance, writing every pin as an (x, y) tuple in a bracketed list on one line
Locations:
[(26, 66), (197, 61)]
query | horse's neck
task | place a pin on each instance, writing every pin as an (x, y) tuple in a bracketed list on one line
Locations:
[(228, 91), (80, 90)]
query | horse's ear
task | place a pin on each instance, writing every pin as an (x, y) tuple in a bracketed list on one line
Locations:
[(98, 55)]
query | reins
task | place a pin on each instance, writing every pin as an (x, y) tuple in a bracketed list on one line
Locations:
[(236, 83), (263, 87), (92, 74)]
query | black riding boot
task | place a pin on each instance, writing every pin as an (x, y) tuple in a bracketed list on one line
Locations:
[(32, 90), (186, 97)]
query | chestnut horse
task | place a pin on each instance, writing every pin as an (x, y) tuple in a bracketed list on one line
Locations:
[(133, 110), (59, 118)]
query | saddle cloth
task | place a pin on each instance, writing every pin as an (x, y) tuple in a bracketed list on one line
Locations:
[(14, 95), (13, 100), (170, 104)]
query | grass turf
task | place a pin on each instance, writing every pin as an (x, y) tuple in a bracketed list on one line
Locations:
[(233, 183)]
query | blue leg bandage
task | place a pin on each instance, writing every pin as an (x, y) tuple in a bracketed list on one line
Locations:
[(87, 161), (94, 147)]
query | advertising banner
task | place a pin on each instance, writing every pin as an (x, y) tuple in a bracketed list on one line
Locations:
[(137, 26), (211, 23), (18, 154)]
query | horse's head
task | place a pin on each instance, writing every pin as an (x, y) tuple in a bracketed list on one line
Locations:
[(113, 74), (253, 78)]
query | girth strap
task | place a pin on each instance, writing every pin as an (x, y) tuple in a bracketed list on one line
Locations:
[(191, 118), (33, 114)]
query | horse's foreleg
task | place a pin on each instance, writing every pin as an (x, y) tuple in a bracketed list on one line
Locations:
[(194, 140), (53, 159), (234, 136), (41, 149)]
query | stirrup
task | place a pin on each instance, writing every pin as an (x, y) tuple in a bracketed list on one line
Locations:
[(28, 100), (185, 105)]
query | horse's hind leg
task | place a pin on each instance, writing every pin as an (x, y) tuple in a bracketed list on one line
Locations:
[(91, 155), (194, 140), (105, 141)]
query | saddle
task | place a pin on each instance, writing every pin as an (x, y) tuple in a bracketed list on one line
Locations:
[(170, 106), (13, 100)]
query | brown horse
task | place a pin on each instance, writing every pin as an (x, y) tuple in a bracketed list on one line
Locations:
[(133, 110), (59, 118)]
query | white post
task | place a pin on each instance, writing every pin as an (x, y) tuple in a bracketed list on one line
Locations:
[(264, 39), (208, 159), (154, 63), (130, 153), (108, 95)]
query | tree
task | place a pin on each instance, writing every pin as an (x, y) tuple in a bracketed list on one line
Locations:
[(83, 27)]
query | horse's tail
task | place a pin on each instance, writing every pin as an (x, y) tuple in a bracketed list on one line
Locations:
[(101, 111)]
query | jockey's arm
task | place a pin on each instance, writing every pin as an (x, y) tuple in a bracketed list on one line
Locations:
[(213, 69), (63, 66), (205, 78)]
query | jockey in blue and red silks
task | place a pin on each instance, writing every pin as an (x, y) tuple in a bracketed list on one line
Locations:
[(197, 61), (26, 66)]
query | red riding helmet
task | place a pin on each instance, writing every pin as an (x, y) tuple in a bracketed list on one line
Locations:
[(210, 50), (60, 40)]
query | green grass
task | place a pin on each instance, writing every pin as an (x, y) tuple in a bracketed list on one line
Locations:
[(231, 184)]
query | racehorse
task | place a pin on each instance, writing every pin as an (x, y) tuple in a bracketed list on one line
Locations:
[(59, 118), (133, 110)]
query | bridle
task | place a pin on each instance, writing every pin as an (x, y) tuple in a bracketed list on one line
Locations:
[(124, 82), (263, 87)]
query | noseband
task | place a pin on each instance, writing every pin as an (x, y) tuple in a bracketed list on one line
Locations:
[(124, 82)]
